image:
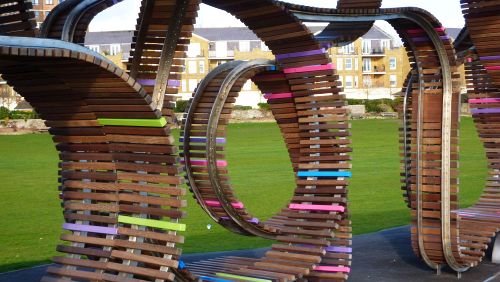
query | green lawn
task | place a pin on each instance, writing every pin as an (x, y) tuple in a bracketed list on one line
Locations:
[(30, 213)]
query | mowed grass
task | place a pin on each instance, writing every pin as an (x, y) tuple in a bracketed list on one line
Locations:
[(31, 217)]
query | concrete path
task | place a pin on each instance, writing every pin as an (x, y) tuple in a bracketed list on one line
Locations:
[(385, 256)]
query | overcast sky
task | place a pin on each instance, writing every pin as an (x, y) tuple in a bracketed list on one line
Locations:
[(123, 16)]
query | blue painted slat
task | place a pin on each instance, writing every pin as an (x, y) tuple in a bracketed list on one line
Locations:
[(206, 278), (324, 174)]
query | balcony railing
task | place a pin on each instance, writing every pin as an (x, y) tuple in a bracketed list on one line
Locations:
[(213, 54), (373, 51), (374, 69)]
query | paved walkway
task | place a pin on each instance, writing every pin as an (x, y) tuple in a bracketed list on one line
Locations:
[(385, 256)]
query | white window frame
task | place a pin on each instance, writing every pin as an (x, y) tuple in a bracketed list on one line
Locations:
[(393, 63), (192, 84), (192, 67), (183, 85), (244, 46), (349, 82), (194, 50), (393, 78), (201, 66), (95, 48), (115, 49), (369, 64), (348, 63), (340, 63)]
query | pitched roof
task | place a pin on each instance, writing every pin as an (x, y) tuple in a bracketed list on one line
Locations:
[(453, 32), (210, 33), (109, 37), (376, 33)]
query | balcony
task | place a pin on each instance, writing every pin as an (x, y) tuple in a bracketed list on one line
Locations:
[(379, 70), (373, 52), (228, 55)]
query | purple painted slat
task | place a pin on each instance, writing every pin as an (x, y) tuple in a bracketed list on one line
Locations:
[(90, 228), (253, 220), (151, 82), (146, 82), (300, 54), (486, 111), (489, 58), (334, 249)]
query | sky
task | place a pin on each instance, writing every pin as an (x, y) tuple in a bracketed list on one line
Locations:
[(123, 15)]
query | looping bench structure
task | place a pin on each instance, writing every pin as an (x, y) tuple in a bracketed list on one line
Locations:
[(120, 170)]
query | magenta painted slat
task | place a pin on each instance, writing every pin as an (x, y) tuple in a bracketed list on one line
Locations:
[(309, 68), (484, 100), (220, 163), (333, 268), (309, 207), (278, 96), (237, 205)]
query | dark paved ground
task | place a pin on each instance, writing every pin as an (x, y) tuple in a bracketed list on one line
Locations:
[(384, 256)]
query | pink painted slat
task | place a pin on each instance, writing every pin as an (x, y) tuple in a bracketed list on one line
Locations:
[(484, 100), (309, 68), (210, 203), (333, 268), (492, 68), (419, 30), (278, 96), (317, 207)]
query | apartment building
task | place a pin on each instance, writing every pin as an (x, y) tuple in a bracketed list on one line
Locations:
[(42, 8), (374, 66)]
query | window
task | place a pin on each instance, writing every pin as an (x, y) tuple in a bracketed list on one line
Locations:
[(37, 14), (392, 63), (356, 64), (356, 82), (386, 44), (340, 64), (348, 63), (341, 79), (201, 66), (348, 81), (248, 85), (394, 80), (367, 64), (367, 46), (49, 2), (35, 2), (192, 85), (348, 49), (367, 81), (184, 85), (244, 46), (221, 49), (192, 67), (115, 49), (194, 50), (94, 48)]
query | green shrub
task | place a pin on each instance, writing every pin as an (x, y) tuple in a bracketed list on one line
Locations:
[(242, 108), (22, 115), (181, 106), (4, 113), (377, 105), (264, 106)]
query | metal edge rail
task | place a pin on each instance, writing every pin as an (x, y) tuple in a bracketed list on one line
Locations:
[(211, 145), (198, 94)]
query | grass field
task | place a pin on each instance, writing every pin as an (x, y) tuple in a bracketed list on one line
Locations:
[(30, 213)]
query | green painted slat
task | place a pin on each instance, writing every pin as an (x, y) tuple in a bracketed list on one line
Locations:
[(152, 223), (244, 278), (161, 122)]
